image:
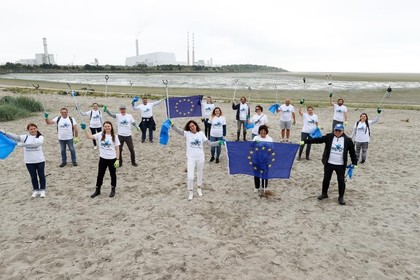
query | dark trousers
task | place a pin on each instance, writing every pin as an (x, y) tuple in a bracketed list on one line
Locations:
[(147, 124), (37, 170), (303, 137), (207, 127), (129, 141), (258, 181), (102, 166), (94, 131), (340, 170)]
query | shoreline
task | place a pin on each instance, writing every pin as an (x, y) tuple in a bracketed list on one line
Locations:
[(402, 99)]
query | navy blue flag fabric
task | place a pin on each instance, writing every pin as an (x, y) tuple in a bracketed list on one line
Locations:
[(182, 107), (266, 160)]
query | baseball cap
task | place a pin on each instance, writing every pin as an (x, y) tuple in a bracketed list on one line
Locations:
[(123, 107), (339, 126)]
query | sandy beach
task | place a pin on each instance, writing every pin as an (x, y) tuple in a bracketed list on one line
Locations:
[(149, 230)]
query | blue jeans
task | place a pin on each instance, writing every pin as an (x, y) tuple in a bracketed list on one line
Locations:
[(63, 144), (37, 170), (217, 149)]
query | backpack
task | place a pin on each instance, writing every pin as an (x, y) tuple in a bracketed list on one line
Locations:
[(71, 120)]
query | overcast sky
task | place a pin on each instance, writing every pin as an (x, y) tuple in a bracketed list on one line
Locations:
[(298, 35)]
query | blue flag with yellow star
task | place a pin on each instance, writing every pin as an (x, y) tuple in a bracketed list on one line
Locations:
[(265, 160), (184, 107)]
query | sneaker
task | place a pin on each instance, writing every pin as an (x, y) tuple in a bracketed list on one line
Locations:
[(63, 164), (322, 196), (42, 194), (298, 159), (212, 159), (307, 158), (217, 160), (199, 192), (363, 161), (95, 147), (135, 164), (256, 190), (74, 163), (34, 194), (190, 195)]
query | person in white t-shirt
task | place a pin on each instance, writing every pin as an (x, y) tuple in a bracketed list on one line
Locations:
[(258, 120), (287, 114), (124, 123), (206, 110), (361, 134), (194, 142), (67, 134), (310, 122), (147, 121), (95, 120), (109, 155), (261, 137), (242, 116), (217, 131), (340, 112), (33, 156)]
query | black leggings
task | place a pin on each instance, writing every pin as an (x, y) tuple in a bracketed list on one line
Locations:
[(102, 166), (258, 180)]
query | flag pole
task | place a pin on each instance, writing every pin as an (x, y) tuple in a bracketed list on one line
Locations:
[(168, 114)]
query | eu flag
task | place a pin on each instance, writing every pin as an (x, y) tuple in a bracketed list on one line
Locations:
[(266, 160), (181, 107)]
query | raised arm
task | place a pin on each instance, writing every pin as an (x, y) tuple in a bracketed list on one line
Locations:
[(47, 120), (300, 111), (109, 112), (178, 130)]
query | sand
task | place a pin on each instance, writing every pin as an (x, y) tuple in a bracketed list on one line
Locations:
[(151, 231)]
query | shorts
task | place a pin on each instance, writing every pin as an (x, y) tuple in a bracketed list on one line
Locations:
[(286, 124)]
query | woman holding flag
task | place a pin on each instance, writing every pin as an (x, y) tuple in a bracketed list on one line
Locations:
[(310, 123), (261, 137), (34, 156), (195, 140), (217, 131)]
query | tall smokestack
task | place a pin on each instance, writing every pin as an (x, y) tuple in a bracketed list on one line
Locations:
[(193, 59), (137, 47), (46, 57), (188, 48)]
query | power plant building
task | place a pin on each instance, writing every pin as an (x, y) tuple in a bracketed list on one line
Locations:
[(152, 59)]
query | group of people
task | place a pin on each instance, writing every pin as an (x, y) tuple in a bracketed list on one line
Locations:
[(110, 143)]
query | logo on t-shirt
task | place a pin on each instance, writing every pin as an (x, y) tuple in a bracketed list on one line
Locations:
[(218, 124), (106, 144), (147, 110), (65, 125), (337, 148), (124, 122), (195, 143)]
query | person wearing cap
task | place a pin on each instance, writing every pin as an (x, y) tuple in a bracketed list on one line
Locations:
[(147, 121), (124, 121), (337, 148), (340, 112)]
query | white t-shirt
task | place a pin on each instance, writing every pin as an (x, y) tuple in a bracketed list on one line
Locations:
[(146, 111), (337, 151), (217, 124), (107, 147), (286, 112), (266, 139), (195, 144), (258, 120), (65, 129), (124, 124), (243, 111), (95, 118), (309, 122), (362, 132), (32, 148), (207, 109), (339, 112)]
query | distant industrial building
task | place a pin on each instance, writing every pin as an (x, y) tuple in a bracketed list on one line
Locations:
[(40, 58), (152, 59)]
